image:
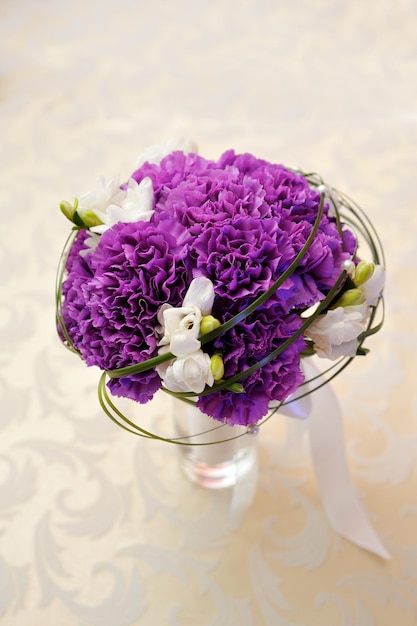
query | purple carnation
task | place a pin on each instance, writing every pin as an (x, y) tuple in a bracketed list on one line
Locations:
[(167, 175), (216, 196), (234, 408), (113, 295), (240, 257), (283, 189)]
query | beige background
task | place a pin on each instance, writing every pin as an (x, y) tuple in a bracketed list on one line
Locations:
[(97, 528)]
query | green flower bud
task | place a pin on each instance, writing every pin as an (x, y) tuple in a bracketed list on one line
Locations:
[(363, 272), (208, 323), (217, 366), (67, 209), (90, 219), (236, 388), (351, 297)]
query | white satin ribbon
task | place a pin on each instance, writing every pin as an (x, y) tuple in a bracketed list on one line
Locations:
[(325, 427)]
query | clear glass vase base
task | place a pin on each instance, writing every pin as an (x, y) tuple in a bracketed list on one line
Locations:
[(213, 455), (219, 475)]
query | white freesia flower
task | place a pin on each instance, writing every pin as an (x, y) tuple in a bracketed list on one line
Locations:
[(191, 372), (180, 329), (155, 153), (372, 288), (180, 326), (134, 205), (336, 332), (97, 201)]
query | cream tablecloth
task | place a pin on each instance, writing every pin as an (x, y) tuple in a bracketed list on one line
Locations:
[(97, 527)]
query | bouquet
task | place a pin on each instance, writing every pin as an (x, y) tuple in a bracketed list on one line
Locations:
[(213, 279)]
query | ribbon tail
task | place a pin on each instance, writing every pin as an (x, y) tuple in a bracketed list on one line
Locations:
[(340, 502)]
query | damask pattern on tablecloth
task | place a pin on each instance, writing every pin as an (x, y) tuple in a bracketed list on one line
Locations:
[(97, 526)]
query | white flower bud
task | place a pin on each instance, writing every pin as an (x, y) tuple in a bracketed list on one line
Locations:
[(189, 373), (181, 327), (336, 332)]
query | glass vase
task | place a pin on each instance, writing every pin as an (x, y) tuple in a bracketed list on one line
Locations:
[(216, 455)]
